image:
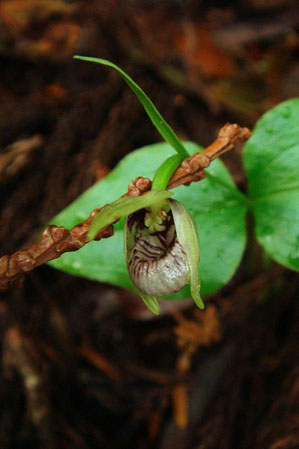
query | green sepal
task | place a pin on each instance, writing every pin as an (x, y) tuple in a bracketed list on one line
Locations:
[(187, 236), (123, 207), (151, 302)]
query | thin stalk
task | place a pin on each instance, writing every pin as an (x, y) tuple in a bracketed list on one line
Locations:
[(166, 170), (160, 182)]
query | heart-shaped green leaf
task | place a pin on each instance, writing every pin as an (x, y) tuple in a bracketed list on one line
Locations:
[(215, 203), (271, 159)]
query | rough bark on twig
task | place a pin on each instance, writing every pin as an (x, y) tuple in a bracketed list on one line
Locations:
[(57, 240)]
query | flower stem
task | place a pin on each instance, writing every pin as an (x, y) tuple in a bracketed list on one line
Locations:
[(166, 170), (155, 218)]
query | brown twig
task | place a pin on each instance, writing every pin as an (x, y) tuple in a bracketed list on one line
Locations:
[(57, 240), (192, 169)]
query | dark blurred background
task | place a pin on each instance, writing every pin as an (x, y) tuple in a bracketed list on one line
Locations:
[(83, 365)]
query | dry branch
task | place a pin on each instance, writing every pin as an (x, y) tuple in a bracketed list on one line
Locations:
[(57, 240), (192, 169)]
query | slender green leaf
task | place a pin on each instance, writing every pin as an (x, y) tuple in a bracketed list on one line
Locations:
[(217, 206), (271, 159), (158, 121)]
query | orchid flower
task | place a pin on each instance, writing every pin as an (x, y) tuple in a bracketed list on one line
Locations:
[(161, 248), (160, 236)]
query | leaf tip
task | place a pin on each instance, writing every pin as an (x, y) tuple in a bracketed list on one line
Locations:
[(83, 58)]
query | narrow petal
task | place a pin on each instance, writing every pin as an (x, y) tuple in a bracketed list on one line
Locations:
[(188, 238), (150, 302)]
